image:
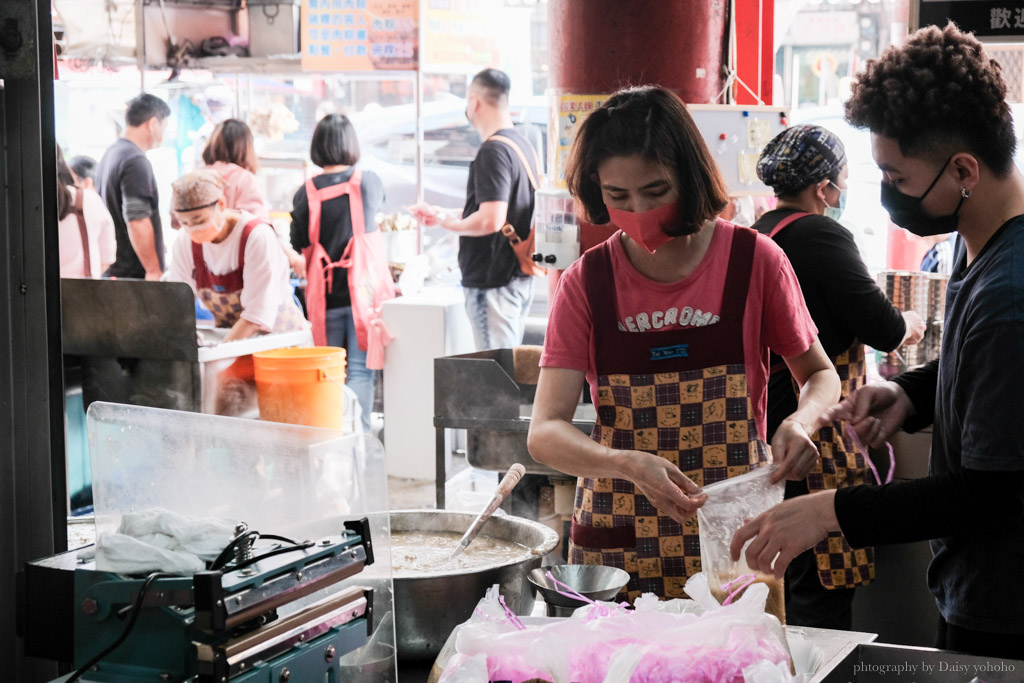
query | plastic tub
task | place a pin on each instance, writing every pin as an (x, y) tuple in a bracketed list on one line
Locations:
[(303, 386)]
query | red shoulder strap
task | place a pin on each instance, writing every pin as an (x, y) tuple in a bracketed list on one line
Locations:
[(316, 196), (202, 274), (249, 227), (792, 218), (83, 231)]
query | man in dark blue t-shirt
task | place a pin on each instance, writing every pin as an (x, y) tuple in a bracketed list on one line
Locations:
[(125, 180), (498, 294), (946, 166)]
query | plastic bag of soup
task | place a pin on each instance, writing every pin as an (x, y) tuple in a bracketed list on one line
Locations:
[(730, 503)]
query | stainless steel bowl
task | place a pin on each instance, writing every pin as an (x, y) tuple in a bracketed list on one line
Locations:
[(593, 581), (428, 607)]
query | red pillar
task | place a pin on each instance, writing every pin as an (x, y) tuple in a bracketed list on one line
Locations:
[(755, 52), (599, 46)]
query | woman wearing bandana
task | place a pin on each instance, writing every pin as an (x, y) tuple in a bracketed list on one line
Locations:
[(943, 135), (671, 322), (231, 259), (806, 167)]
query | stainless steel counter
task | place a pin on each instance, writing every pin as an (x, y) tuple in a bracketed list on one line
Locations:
[(478, 392)]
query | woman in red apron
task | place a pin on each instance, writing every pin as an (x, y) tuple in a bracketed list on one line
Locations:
[(236, 266), (670, 321), (806, 166), (326, 212)]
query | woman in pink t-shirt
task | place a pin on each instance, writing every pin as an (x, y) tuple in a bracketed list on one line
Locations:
[(231, 153), (670, 321)]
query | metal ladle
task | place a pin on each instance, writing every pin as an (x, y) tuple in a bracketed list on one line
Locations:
[(505, 486)]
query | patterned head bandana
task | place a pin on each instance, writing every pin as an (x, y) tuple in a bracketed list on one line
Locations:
[(196, 190), (800, 156)]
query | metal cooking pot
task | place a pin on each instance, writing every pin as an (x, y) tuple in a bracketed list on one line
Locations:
[(428, 607)]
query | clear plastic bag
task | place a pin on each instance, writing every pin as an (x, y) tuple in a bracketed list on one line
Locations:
[(730, 503)]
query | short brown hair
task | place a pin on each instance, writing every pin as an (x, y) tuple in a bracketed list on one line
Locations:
[(936, 95), (652, 122), (231, 143), (334, 142)]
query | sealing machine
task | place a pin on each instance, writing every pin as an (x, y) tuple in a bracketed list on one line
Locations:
[(239, 622), (293, 593)]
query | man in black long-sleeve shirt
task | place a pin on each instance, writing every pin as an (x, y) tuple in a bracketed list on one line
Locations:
[(806, 167), (947, 157)]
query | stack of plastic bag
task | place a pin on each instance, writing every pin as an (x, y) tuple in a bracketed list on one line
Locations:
[(159, 540), (657, 642)]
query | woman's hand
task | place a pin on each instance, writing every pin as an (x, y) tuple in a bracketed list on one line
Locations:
[(783, 532), (297, 262), (668, 489), (819, 388), (793, 451), (242, 329), (554, 441), (875, 412)]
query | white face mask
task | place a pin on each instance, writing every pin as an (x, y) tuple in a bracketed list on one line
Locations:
[(208, 228), (834, 212)]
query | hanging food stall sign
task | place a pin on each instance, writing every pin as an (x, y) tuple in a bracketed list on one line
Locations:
[(462, 36), (360, 35), (989, 20)]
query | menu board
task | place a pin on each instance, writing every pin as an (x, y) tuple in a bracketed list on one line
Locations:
[(360, 35)]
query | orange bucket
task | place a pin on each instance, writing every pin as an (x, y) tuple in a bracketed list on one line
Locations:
[(301, 386)]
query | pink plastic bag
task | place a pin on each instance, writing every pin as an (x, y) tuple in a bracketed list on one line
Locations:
[(657, 642)]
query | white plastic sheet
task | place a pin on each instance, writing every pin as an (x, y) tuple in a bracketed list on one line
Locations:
[(159, 540)]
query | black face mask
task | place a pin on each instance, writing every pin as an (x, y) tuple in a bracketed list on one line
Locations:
[(906, 212)]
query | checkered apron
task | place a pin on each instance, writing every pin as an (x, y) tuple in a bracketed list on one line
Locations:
[(681, 394), (840, 465), (222, 294)]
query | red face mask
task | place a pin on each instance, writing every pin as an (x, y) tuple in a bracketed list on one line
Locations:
[(648, 227)]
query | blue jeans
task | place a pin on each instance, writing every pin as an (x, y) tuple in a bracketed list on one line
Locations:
[(498, 315), (341, 331)]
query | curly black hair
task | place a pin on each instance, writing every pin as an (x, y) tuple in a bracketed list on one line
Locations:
[(936, 95)]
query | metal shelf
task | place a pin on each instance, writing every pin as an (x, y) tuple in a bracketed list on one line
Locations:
[(256, 65)]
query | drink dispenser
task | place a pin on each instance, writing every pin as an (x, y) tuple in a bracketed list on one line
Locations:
[(557, 230)]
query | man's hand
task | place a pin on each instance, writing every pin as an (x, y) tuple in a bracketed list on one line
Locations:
[(141, 235), (915, 327), (780, 534), (875, 412), (425, 213), (793, 451)]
